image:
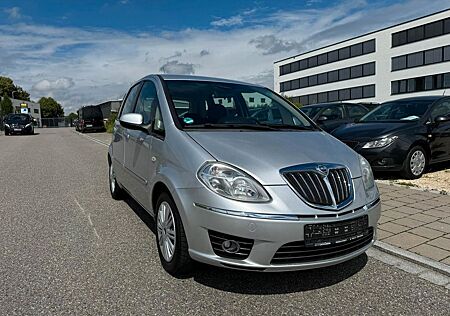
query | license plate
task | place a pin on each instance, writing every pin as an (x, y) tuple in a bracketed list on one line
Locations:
[(88, 125), (17, 130), (337, 232)]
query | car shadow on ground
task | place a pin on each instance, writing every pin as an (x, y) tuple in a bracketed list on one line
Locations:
[(260, 283), (397, 176)]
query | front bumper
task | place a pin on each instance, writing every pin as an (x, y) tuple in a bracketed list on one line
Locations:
[(19, 129), (268, 235)]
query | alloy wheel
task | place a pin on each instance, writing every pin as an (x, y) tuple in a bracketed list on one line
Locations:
[(166, 231), (417, 162)]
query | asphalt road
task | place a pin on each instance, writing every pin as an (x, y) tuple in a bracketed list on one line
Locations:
[(67, 248)]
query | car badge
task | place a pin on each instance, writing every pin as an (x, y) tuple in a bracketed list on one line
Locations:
[(322, 170)]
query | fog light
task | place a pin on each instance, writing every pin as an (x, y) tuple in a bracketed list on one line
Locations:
[(230, 246)]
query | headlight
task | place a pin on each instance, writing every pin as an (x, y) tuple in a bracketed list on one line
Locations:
[(231, 183), (29, 124), (380, 142), (367, 174), (7, 125)]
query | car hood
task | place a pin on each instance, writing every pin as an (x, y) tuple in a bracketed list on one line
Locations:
[(263, 154), (368, 131)]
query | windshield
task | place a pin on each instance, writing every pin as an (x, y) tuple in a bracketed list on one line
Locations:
[(404, 111), (203, 104), (19, 119), (91, 112), (311, 111)]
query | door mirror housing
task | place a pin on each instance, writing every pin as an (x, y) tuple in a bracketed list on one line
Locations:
[(132, 120), (322, 118), (441, 119)]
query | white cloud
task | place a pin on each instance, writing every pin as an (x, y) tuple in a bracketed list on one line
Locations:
[(14, 13), (58, 84), (80, 66), (234, 20)]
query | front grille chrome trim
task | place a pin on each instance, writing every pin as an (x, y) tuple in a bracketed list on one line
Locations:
[(336, 178)]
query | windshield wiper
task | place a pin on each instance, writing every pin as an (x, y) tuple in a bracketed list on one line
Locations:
[(287, 126), (258, 127)]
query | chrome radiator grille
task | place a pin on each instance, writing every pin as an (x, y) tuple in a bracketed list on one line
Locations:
[(326, 186)]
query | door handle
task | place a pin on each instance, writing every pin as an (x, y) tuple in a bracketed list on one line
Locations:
[(153, 159), (127, 136), (141, 139)]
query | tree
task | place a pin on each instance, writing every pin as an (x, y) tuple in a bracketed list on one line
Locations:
[(294, 102), (6, 106), (8, 88), (72, 116), (50, 108)]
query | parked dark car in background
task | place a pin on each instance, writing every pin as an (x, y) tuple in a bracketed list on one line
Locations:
[(403, 135), (19, 124), (330, 116), (90, 118)]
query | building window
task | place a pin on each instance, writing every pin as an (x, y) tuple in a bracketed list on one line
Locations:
[(356, 71), (433, 56), (312, 62), (399, 63), (322, 59), (36, 111), (333, 96), (446, 53), (369, 47), (421, 32), (356, 93), (295, 84), (416, 34), (322, 97), (356, 50), (434, 29), (312, 80), (251, 100), (415, 60), (304, 100), (344, 94), (295, 66), (312, 98), (369, 69), (369, 91), (344, 53), (344, 74), (303, 82), (322, 78), (333, 56), (333, 76), (303, 64), (263, 100), (399, 38), (425, 83)]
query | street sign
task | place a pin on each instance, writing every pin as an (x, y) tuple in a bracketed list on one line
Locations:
[(23, 105), (24, 110)]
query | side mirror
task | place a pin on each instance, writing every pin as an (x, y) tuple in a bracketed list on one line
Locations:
[(132, 120), (441, 119), (322, 118)]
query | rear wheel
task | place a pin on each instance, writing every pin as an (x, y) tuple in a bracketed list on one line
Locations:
[(116, 191), (6, 133), (415, 163), (171, 238)]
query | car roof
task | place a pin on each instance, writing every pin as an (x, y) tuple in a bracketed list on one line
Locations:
[(197, 78), (430, 98), (318, 105)]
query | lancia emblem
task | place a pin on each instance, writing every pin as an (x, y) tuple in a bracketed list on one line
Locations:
[(322, 170)]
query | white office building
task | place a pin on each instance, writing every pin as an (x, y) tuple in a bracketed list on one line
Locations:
[(405, 60)]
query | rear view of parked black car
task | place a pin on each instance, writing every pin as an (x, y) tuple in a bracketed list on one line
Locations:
[(330, 116), (90, 118), (403, 135), (19, 124)]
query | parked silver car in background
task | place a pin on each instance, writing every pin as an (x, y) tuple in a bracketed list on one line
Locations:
[(231, 191)]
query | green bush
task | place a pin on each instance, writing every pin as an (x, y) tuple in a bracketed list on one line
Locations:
[(110, 122)]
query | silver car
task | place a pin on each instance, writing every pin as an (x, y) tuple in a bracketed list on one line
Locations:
[(229, 190)]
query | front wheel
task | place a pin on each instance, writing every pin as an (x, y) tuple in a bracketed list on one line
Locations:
[(116, 191), (415, 163), (171, 238)]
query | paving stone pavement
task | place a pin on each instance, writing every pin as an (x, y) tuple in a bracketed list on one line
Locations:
[(416, 221)]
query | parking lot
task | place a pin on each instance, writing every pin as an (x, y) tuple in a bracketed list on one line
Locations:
[(68, 248)]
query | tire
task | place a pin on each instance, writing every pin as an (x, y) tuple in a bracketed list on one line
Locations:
[(6, 133), (178, 262), (415, 163), (117, 193)]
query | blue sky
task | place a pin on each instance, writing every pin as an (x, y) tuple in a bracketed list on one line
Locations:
[(83, 52)]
